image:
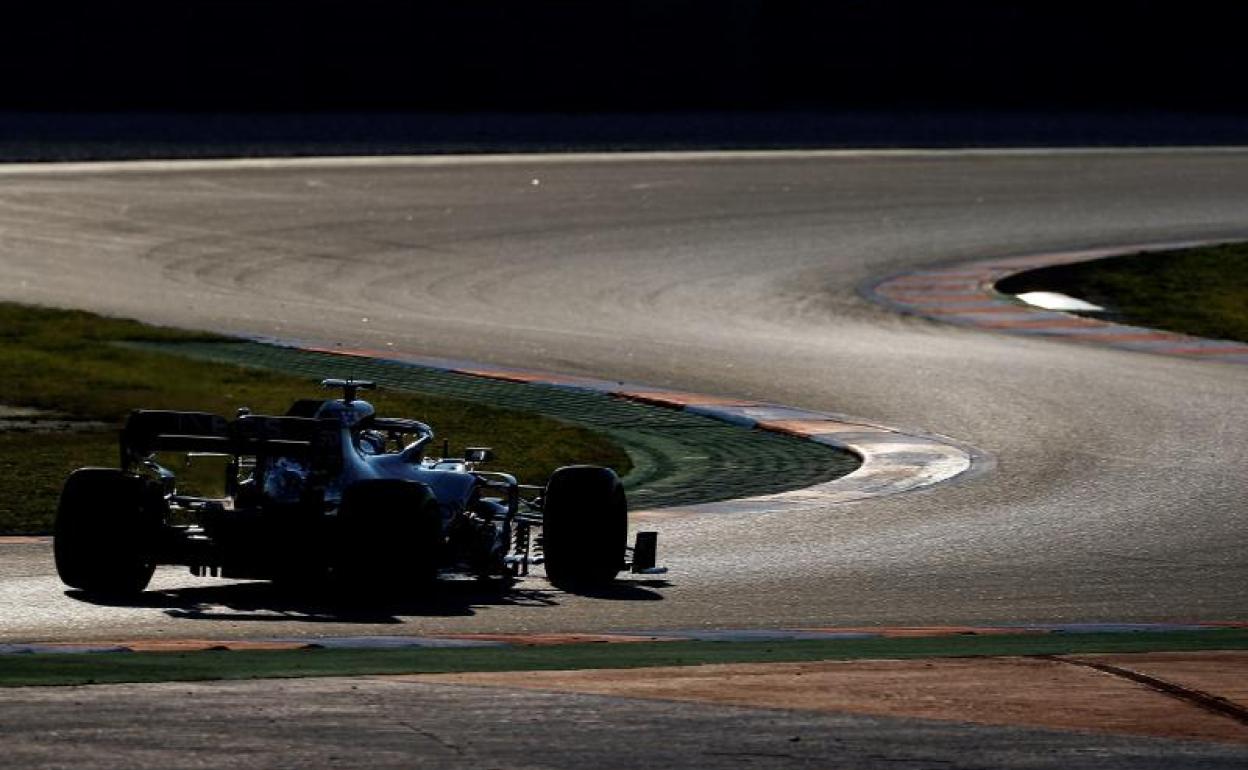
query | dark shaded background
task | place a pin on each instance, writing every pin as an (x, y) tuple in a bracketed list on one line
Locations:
[(483, 73)]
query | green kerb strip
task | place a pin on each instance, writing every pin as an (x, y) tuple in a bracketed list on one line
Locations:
[(105, 668), (678, 458)]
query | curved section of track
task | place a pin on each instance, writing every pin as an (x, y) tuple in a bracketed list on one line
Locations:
[(678, 459), (967, 295), (1119, 487), (751, 467)]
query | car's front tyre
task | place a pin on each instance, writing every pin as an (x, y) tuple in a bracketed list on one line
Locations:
[(584, 526)]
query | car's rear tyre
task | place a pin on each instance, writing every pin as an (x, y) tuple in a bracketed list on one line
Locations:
[(107, 527), (584, 526), (389, 539)]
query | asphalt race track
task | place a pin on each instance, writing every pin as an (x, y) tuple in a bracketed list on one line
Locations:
[(1119, 487)]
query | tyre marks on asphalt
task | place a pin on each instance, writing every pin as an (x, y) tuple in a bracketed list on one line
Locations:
[(1214, 704), (964, 294)]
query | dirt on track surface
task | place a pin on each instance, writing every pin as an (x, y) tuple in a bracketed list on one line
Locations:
[(1035, 692), (298, 723)]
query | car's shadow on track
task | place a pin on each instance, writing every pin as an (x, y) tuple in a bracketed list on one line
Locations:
[(269, 602)]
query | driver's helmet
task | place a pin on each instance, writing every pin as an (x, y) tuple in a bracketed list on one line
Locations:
[(348, 414), (372, 442), (284, 479)]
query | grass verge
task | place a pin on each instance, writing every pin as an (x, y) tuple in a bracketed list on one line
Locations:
[(1202, 291), (112, 668), (68, 363)]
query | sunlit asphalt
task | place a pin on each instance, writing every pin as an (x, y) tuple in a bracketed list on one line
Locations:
[(1119, 487)]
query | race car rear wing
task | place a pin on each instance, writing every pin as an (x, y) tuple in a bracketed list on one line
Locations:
[(148, 431)]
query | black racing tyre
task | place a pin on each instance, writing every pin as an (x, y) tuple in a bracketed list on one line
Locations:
[(389, 538), (107, 526), (584, 526)]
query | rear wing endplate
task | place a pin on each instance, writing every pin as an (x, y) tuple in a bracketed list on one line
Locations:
[(149, 430)]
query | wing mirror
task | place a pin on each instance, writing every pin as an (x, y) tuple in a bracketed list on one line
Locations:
[(478, 454)]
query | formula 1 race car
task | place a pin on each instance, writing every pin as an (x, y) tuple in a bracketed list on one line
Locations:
[(331, 491)]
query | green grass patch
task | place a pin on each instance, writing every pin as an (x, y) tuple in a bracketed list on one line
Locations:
[(1203, 292), (110, 668), (69, 363)]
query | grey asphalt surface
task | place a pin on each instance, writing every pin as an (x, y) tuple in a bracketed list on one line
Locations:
[(1119, 488), (370, 723)]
